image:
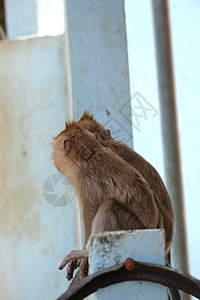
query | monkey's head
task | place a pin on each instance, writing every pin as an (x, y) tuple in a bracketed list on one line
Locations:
[(73, 147), (89, 123)]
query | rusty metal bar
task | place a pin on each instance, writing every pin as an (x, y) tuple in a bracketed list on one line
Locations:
[(132, 270)]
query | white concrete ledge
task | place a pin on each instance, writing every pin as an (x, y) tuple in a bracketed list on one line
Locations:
[(110, 248)]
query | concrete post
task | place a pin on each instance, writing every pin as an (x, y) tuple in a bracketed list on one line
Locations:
[(97, 63), (110, 248)]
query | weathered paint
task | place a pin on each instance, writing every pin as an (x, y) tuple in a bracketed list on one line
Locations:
[(35, 236)]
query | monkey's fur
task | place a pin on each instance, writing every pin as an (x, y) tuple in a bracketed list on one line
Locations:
[(112, 193), (163, 201)]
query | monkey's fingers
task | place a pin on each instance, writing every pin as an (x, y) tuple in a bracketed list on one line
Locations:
[(73, 255), (83, 267), (72, 265)]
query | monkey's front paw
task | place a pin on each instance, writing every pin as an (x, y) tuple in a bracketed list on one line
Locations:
[(73, 259), (72, 265), (82, 264), (83, 267)]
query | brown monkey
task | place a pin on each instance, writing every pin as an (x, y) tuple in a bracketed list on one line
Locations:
[(163, 201), (113, 194)]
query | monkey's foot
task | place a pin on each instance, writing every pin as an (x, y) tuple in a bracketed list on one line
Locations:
[(76, 258)]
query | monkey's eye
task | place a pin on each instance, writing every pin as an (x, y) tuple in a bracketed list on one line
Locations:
[(108, 130), (66, 146)]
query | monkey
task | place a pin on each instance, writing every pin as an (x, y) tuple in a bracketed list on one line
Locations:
[(113, 195), (163, 201), (162, 198)]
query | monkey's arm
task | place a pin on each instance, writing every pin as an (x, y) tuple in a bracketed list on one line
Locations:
[(79, 258), (89, 211)]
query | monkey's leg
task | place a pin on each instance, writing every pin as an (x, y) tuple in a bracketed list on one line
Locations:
[(73, 256), (112, 216)]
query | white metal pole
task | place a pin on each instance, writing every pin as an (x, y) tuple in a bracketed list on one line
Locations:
[(170, 130)]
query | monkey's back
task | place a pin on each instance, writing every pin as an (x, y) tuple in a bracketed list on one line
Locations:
[(116, 179), (154, 180)]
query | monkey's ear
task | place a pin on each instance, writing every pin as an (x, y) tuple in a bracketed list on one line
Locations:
[(87, 116), (66, 146)]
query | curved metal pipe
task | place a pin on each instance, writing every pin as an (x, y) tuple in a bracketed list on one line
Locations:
[(132, 270)]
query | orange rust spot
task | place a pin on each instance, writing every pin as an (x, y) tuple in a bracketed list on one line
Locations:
[(130, 264)]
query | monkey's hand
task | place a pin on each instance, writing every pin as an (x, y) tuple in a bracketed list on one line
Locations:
[(82, 264), (75, 259)]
